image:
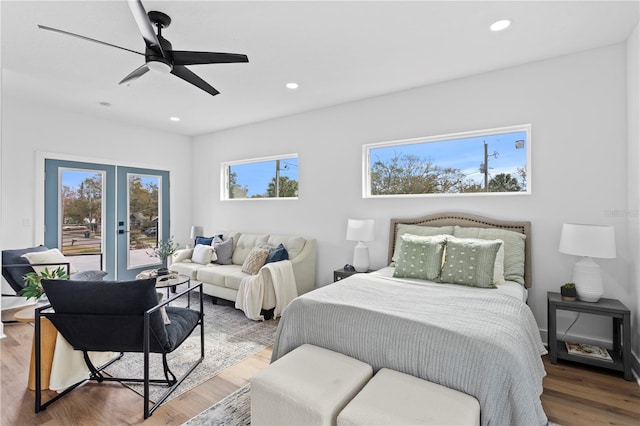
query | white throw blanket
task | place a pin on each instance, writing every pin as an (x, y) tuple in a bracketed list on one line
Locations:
[(276, 275)]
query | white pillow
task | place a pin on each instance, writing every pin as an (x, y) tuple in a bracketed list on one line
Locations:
[(203, 254), (48, 256), (182, 255)]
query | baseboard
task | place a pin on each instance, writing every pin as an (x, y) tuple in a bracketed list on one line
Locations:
[(635, 361)]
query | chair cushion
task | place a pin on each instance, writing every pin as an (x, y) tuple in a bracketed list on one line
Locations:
[(107, 315), (13, 274)]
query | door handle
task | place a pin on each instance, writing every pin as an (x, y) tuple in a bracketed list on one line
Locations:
[(121, 231)]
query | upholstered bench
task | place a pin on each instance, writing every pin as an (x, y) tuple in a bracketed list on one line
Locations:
[(308, 386), (393, 398)]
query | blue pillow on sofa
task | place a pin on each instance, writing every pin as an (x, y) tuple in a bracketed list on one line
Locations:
[(277, 254), (204, 241)]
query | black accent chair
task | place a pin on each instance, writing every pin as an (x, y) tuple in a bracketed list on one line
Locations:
[(117, 316), (15, 267)]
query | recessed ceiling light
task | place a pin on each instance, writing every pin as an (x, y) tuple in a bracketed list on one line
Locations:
[(174, 118), (292, 85), (500, 25)]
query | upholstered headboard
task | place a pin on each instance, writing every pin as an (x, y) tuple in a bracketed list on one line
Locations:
[(467, 220)]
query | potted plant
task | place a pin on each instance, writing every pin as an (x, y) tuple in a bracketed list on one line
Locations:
[(568, 292), (33, 288), (164, 249)]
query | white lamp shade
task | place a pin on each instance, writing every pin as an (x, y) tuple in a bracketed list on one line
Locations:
[(588, 240), (196, 231), (361, 230)]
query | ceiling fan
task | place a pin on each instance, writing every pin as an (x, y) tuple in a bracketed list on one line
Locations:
[(159, 55)]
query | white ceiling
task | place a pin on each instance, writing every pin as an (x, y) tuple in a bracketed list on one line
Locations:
[(338, 51)]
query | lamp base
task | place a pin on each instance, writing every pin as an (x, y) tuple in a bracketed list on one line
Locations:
[(361, 257), (588, 280)]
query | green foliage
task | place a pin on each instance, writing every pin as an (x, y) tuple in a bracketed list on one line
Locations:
[(143, 198), (84, 202), (287, 188), (504, 182), (33, 281), (569, 285), (410, 174), (165, 249)]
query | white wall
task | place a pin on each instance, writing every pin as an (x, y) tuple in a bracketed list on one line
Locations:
[(28, 130), (576, 105), (633, 210)]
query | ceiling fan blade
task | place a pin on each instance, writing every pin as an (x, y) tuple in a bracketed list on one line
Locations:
[(182, 57), (55, 30), (138, 72), (190, 77), (144, 25)]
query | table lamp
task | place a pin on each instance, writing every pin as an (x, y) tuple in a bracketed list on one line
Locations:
[(196, 231), (361, 230), (588, 241)]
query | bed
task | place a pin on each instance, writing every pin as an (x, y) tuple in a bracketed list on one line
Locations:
[(480, 341)]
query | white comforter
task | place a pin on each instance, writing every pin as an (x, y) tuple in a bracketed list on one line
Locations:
[(483, 343), (276, 275)]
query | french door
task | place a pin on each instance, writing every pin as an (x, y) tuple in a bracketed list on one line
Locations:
[(106, 217)]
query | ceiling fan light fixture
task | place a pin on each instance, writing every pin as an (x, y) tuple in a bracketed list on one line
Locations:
[(500, 25), (159, 67)]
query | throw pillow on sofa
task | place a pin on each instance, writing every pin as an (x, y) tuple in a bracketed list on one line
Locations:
[(205, 241), (203, 254), (49, 256), (224, 250), (277, 254), (255, 260)]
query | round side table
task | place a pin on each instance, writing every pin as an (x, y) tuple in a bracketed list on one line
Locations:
[(48, 335)]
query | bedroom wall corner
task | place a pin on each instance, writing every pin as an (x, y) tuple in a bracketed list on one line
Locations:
[(633, 197)]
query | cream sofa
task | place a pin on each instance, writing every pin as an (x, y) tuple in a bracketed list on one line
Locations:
[(223, 281)]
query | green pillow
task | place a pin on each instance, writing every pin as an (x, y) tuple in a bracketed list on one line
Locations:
[(513, 248), (419, 257), (469, 262), (425, 231)]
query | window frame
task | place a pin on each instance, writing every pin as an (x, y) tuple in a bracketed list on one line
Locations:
[(224, 176), (366, 160)]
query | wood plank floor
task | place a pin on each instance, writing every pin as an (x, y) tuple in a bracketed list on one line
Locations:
[(573, 394)]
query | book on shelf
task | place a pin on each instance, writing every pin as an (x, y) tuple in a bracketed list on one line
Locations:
[(588, 351)]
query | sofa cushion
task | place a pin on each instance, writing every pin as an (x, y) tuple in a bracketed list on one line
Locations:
[(234, 279), (294, 245), (215, 274), (187, 268), (244, 245)]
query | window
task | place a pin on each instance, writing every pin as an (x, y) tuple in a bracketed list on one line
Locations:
[(494, 161), (270, 177)]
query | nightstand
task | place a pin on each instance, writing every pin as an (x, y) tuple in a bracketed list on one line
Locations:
[(339, 274), (621, 319)]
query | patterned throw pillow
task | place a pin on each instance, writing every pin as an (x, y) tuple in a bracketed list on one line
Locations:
[(255, 260), (419, 257), (514, 243), (470, 262)]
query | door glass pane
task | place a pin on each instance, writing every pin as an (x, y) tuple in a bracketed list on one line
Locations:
[(81, 205), (143, 210)]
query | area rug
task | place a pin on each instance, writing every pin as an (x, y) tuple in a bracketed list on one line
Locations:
[(229, 338), (234, 410)]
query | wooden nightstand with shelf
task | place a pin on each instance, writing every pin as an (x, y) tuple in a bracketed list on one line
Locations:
[(621, 319), (342, 273)]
